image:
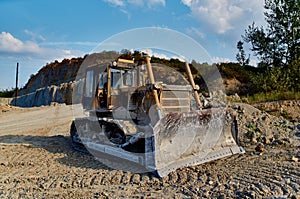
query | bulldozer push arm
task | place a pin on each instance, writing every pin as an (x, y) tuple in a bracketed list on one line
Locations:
[(158, 111), (195, 88)]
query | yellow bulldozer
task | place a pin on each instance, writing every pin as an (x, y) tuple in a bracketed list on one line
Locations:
[(151, 116)]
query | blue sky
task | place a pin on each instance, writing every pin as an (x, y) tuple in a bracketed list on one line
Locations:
[(35, 32)]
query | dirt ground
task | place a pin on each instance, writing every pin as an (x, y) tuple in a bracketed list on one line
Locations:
[(37, 161)]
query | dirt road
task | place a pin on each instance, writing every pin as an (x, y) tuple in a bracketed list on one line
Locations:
[(36, 161)]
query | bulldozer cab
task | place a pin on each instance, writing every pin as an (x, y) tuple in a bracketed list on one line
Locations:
[(104, 88)]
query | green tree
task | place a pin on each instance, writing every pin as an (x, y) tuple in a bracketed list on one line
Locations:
[(241, 56), (279, 43)]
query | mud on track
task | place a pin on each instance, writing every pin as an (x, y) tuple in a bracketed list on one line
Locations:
[(38, 162)]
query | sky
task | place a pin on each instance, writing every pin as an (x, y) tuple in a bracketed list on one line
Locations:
[(35, 32)]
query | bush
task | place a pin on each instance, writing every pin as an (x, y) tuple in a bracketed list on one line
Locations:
[(7, 93)]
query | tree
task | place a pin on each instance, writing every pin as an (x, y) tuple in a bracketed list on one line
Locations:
[(279, 43), (241, 56)]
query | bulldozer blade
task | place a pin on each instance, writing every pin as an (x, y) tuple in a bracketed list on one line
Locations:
[(191, 138)]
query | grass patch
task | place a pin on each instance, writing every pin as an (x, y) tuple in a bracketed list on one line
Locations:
[(273, 96)]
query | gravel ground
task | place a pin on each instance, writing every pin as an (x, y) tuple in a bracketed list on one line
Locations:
[(36, 161)]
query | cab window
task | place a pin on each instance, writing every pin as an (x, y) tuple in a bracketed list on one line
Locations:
[(102, 79), (89, 79)]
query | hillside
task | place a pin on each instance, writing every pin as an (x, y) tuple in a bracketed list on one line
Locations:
[(55, 81), (54, 73), (238, 79), (57, 73)]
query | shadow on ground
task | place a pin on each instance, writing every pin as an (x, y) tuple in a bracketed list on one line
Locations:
[(55, 144)]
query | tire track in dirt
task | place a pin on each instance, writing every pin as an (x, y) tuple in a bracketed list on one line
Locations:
[(244, 175), (46, 167), (260, 177)]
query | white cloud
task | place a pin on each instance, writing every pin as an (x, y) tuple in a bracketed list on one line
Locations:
[(195, 31), (253, 62), (180, 58), (150, 52), (217, 60), (79, 43), (161, 55), (34, 36), (9, 43), (187, 2), (220, 60), (136, 2), (222, 16), (151, 3), (14, 47), (141, 3), (115, 2)]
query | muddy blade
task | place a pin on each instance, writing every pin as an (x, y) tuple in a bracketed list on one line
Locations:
[(186, 139)]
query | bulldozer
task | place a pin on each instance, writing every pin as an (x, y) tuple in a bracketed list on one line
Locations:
[(151, 117)]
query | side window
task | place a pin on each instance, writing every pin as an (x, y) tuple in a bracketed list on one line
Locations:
[(128, 79), (115, 79), (142, 79), (102, 79), (89, 79)]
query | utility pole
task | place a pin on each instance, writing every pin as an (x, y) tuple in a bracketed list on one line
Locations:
[(17, 74)]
